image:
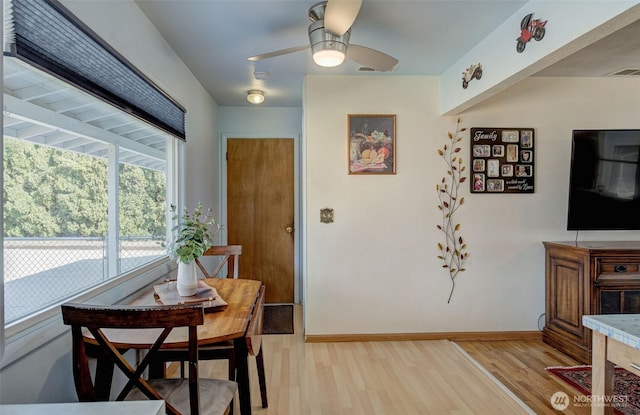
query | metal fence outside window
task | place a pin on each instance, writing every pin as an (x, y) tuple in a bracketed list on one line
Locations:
[(40, 272)]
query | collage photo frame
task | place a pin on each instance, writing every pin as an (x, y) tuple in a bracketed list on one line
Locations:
[(502, 160)]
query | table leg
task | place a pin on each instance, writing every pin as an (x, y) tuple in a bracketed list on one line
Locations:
[(242, 375), (602, 377)]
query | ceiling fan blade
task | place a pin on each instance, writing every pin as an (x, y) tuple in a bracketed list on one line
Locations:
[(277, 53), (340, 15), (371, 58)]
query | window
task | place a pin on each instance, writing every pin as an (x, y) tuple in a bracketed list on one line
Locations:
[(85, 191), (142, 211)]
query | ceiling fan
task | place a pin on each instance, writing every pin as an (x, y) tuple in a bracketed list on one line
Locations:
[(329, 34)]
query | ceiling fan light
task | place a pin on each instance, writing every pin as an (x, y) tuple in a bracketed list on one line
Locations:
[(255, 96), (328, 57), (327, 50)]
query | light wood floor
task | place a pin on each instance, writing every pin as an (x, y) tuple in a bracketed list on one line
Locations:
[(401, 377)]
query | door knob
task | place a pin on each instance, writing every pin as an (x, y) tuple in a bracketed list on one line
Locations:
[(289, 229)]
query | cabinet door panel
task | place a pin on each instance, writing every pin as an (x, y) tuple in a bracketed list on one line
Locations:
[(568, 303)]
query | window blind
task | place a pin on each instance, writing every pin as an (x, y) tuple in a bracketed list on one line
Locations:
[(47, 35)]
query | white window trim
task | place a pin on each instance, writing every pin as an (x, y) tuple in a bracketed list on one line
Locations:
[(23, 336), (28, 334)]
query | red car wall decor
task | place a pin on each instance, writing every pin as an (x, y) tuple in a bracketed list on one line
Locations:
[(530, 28)]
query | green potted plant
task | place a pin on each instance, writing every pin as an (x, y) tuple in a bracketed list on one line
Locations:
[(193, 234)]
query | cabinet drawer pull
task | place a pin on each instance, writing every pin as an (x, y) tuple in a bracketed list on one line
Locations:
[(620, 268), (633, 365)]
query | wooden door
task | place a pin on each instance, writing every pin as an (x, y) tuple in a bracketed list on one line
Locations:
[(260, 212)]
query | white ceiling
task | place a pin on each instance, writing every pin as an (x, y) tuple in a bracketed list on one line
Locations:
[(214, 38)]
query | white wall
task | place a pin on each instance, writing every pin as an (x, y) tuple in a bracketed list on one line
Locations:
[(138, 40), (375, 269), (266, 121), (44, 375)]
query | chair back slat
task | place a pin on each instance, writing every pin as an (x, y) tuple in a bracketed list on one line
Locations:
[(230, 257), (132, 317)]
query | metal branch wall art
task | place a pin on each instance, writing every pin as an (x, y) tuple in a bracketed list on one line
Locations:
[(453, 251)]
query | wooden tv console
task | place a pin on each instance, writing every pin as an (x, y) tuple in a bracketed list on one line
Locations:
[(587, 278)]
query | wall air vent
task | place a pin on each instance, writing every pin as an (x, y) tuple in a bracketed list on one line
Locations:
[(626, 72)]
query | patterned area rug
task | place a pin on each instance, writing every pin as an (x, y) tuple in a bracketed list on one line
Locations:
[(278, 319), (626, 386)]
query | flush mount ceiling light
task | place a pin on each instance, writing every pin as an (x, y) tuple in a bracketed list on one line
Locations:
[(255, 96)]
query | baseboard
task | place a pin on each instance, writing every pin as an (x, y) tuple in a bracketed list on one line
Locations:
[(453, 336), (571, 348)]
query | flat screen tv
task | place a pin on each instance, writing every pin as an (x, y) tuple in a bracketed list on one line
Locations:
[(604, 184)]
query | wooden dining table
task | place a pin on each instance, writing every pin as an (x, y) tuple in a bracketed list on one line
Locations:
[(228, 324)]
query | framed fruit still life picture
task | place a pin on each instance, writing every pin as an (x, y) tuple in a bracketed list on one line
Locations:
[(372, 143)]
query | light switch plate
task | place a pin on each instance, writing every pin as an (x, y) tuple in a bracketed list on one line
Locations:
[(326, 215)]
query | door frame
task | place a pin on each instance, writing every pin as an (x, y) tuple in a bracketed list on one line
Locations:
[(297, 216)]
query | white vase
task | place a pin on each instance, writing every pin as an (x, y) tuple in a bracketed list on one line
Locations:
[(187, 281)]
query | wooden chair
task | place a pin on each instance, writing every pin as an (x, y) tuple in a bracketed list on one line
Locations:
[(193, 396), (225, 350), (230, 255)]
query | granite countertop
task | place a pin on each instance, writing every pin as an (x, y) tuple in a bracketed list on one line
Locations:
[(624, 328), (84, 408)]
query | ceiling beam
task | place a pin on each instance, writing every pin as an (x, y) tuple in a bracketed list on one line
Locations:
[(504, 67)]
